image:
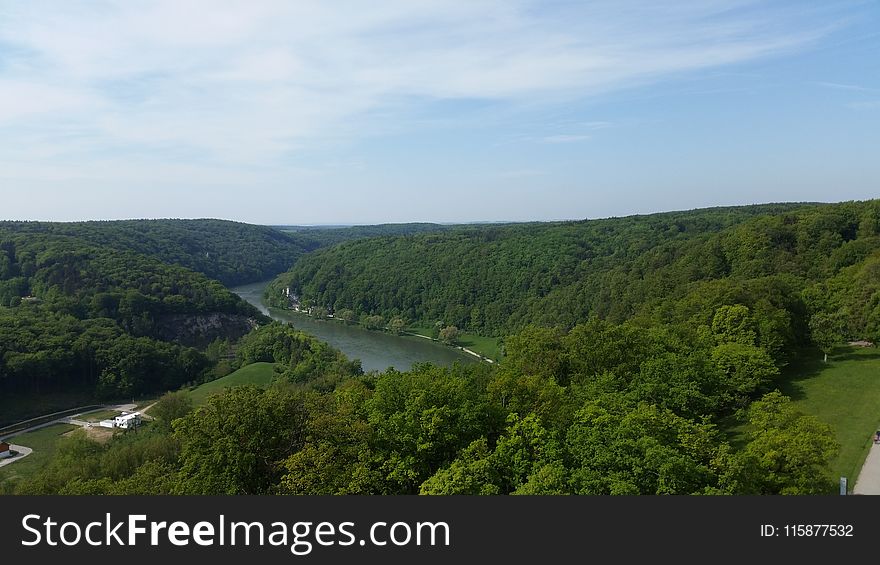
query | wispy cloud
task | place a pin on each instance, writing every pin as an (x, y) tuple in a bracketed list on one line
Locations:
[(851, 87), (564, 138), (597, 125), (246, 84)]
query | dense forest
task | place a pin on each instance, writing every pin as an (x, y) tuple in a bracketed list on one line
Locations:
[(643, 355), (122, 308), (327, 236), (78, 314), (799, 260), (230, 252), (601, 409)]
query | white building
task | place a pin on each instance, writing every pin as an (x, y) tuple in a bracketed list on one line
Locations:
[(124, 421), (128, 421)]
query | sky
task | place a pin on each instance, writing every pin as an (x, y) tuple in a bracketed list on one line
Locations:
[(356, 112)]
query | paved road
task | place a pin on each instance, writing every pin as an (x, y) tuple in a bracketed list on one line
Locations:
[(22, 453), (74, 418), (869, 477)]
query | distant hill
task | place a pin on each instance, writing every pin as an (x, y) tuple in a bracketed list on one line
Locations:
[(102, 306), (495, 280), (327, 236), (230, 252)]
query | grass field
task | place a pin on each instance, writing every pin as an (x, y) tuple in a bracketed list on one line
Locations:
[(485, 346), (256, 374), (489, 347), (844, 393), (43, 442)]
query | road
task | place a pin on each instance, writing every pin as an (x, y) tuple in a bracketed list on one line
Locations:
[(74, 418), (22, 453), (869, 477)]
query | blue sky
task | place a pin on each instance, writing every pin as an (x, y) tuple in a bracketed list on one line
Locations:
[(311, 112)]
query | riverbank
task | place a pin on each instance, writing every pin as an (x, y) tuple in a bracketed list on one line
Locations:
[(485, 349), (459, 347), (474, 345), (377, 350)]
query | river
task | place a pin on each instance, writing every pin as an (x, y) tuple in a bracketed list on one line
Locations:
[(376, 350)]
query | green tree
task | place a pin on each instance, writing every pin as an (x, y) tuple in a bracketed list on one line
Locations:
[(788, 452), (374, 322), (397, 325), (619, 449), (525, 451), (347, 315), (449, 335), (825, 332), (171, 406), (745, 368), (734, 324), (235, 444), (537, 351)]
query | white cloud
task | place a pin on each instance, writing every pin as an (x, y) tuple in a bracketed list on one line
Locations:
[(249, 82)]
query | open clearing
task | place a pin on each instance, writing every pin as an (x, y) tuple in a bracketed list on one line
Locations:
[(845, 393), (43, 442), (95, 433), (488, 347), (259, 374)]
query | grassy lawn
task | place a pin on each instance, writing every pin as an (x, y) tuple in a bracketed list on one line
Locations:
[(844, 393), (256, 374), (486, 346), (43, 442)]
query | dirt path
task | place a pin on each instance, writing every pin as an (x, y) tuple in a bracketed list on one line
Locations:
[(869, 477)]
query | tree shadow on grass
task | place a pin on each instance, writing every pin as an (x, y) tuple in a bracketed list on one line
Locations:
[(806, 365), (867, 354)]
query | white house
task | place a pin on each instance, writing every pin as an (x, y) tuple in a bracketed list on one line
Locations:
[(124, 421), (128, 421)]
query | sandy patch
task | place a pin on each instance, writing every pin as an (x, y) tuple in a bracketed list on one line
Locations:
[(95, 433)]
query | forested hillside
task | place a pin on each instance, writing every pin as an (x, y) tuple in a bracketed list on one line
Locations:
[(112, 308), (230, 252), (326, 236), (602, 409), (77, 314), (795, 260), (636, 348)]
